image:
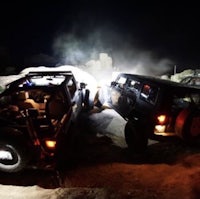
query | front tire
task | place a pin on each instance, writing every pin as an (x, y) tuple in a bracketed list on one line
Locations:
[(12, 157), (136, 138)]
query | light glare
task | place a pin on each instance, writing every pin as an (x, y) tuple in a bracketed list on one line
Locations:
[(161, 119), (51, 144)]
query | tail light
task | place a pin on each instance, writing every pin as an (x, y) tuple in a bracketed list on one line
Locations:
[(161, 119), (164, 125), (160, 126)]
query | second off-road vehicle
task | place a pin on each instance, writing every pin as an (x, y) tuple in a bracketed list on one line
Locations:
[(154, 109)]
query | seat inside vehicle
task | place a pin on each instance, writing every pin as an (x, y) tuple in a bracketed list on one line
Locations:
[(24, 102), (56, 107)]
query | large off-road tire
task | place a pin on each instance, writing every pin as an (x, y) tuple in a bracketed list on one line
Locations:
[(136, 138), (13, 158)]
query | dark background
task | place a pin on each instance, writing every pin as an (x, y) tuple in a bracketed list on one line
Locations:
[(52, 33)]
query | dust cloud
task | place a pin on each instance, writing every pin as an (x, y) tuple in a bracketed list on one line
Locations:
[(103, 51)]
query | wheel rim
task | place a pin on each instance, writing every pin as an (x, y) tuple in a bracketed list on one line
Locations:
[(8, 156)]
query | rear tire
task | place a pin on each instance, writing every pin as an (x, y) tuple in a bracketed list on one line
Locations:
[(13, 157), (136, 138)]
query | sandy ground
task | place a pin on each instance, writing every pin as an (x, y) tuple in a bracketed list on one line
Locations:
[(101, 167)]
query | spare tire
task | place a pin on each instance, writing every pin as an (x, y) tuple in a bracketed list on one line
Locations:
[(187, 124), (13, 158)]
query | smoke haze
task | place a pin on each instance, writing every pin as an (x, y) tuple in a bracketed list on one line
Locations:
[(76, 49)]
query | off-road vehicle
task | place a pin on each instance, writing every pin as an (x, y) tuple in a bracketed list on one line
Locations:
[(36, 112), (154, 108)]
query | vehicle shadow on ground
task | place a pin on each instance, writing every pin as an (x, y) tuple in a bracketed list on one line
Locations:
[(169, 152), (30, 177), (94, 146), (98, 149)]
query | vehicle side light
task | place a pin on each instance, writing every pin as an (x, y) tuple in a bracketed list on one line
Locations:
[(161, 119), (51, 144)]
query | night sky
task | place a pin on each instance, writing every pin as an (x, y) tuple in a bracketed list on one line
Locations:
[(74, 32)]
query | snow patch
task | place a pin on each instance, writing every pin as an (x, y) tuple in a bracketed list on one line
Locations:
[(33, 192)]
